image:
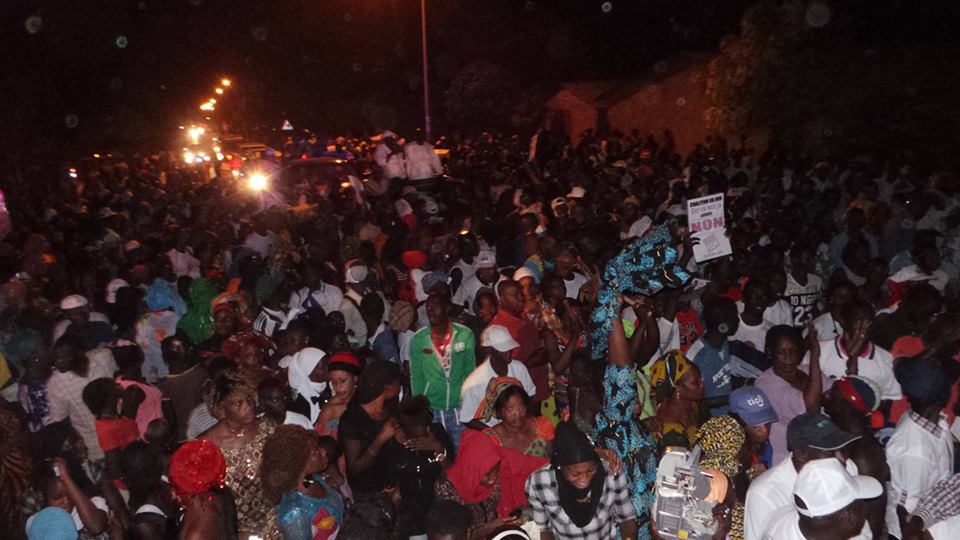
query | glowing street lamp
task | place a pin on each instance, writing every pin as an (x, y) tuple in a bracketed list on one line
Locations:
[(195, 132), (225, 82), (257, 182), (206, 106), (219, 91)]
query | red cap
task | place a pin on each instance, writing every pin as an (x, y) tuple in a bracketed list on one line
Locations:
[(197, 467)]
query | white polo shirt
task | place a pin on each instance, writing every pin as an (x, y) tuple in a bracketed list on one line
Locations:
[(875, 364), (919, 456), (770, 492), (474, 388)]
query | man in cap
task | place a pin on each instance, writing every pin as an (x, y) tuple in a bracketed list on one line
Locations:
[(496, 346), (828, 504), (355, 277), (531, 351), (486, 276), (422, 162), (920, 452), (442, 355), (810, 436), (76, 311)]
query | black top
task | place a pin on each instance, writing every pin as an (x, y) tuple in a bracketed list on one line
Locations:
[(356, 425)]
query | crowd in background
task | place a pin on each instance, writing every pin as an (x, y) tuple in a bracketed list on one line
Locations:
[(426, 350)]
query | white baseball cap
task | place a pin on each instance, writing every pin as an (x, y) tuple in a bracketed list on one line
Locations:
[(73, 301), (499, 338), (824, 486), (115, 285), (486, 259), (577, 192), (523, 272)]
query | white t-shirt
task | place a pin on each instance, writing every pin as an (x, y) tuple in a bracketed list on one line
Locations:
[(918, 459), (875, 364), (771, 491), (669, 337), (753, 335), (948, 529), (467, 293), (99, 502), (184, 263), (784, 524), (474, 388), (778, 313), (573, 285), (327, 297), (259, 243), (826, 327), (805, 301)]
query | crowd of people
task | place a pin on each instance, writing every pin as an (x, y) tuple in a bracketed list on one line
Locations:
[(505, 352)]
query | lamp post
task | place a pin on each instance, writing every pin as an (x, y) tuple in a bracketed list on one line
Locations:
[(426, 70)]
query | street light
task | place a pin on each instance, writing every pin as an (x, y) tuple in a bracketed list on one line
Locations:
[(225, 82), (219, 91), (426, 71)]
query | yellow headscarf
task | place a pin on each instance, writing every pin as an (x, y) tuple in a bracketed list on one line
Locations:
[(669, 369)]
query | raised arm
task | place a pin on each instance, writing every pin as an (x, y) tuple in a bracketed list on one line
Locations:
[(813, 392)]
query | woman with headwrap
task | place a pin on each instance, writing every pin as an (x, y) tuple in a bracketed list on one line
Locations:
[(577, 496), (679, 390), (618, 429), (197, 322), (198, 474), (249, 351), (722, 441), (524, 441), (164, 307), (474, 482), (342, 372), (307, 377), (240, 436)]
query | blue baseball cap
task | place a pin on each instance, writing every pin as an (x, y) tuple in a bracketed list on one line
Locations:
[(753, 406)]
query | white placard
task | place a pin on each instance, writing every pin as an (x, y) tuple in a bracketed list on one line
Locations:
[(706, 219)]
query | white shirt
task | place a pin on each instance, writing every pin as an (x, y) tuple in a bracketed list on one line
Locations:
[(395, 166), (638, 227), (918, 459), (422, 161), (62, 326), (826, 327), (474, 388), (805, 300), (771, 491), (669, 337), (327, 297), (784, 524), (948, 529), (467, 292), (184, 263), (262, 245), (403, 343), (573, 285), (779, 313), (875, 364), (753, 335)]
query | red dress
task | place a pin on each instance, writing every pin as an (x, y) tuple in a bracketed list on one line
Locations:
[(515, 466)]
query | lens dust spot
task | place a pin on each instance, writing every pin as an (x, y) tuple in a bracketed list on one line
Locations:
[(819, 15), (660, 67), (357, 66), (529, 6), (122, 42), (681, 102), (33, 24), (71, 121), (606, 7), (347, 17), (260, 33)]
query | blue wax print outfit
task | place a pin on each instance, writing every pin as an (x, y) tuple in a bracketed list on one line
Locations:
[(303, 517)]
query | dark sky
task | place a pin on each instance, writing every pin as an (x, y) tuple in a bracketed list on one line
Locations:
[(100, 74)]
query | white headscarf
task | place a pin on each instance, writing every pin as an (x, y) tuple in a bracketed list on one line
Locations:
[(355, 272), (298, 376)]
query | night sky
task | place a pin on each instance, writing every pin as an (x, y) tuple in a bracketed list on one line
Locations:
[(86, 75)]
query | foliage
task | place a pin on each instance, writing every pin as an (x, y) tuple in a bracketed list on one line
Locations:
[(802, 75)]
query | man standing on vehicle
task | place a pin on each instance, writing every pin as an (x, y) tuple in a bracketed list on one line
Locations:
[(422, 162)]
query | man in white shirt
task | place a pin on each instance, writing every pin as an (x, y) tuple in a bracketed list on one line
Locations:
[(828, 504), (853, 354), (76, 308), (422, 162), (486, 276), (566, 261), (920, 452), (810, 436), (498, 345), (804, 291)]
